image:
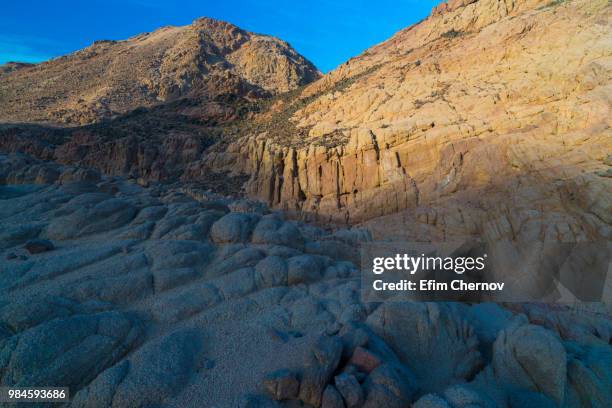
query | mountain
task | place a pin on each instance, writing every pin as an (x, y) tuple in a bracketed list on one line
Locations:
[(462, 124), (489, 118), (208, 58), (487, 125)]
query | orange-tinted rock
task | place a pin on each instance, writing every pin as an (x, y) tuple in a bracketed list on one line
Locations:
[(207, 58), (364, 360), (480, 117)]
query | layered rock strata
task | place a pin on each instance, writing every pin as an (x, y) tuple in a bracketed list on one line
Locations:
[(485, 104)]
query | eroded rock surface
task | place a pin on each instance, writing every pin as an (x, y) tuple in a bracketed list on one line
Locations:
[(181, 302), (489, 119)]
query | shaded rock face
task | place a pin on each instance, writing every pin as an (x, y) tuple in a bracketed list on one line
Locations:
[(208, 57), (436, 329), (537, 354), (132, 304), (155, 372), (69, 351), (184, 302)]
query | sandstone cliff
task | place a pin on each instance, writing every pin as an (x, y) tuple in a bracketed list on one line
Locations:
[(207, 58), (489, 117)]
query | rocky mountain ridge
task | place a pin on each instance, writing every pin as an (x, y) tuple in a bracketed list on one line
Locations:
[(489, 119), (206, 59), (477, 113), (480, 107)]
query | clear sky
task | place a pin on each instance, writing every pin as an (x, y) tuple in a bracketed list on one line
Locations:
[(326, 32)]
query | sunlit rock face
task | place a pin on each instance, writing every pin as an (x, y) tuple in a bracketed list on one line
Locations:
[(489, 117), (207, 58)]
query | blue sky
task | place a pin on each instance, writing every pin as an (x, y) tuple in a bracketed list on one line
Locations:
[(326, 32)]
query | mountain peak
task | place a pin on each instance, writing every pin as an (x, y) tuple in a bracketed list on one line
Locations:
[(207, 58)]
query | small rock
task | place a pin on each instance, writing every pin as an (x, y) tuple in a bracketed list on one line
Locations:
[(303, 269), (350, 389), (248, 206), (353, 313), (232, 228), (320, 366), (37, 246), (281, 385), (365, 360), (272, 230), (271, 271), (331, 398), (333, 328), (388, 386), (353, 338), (352, 370), (11, 255), (532, 358)]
